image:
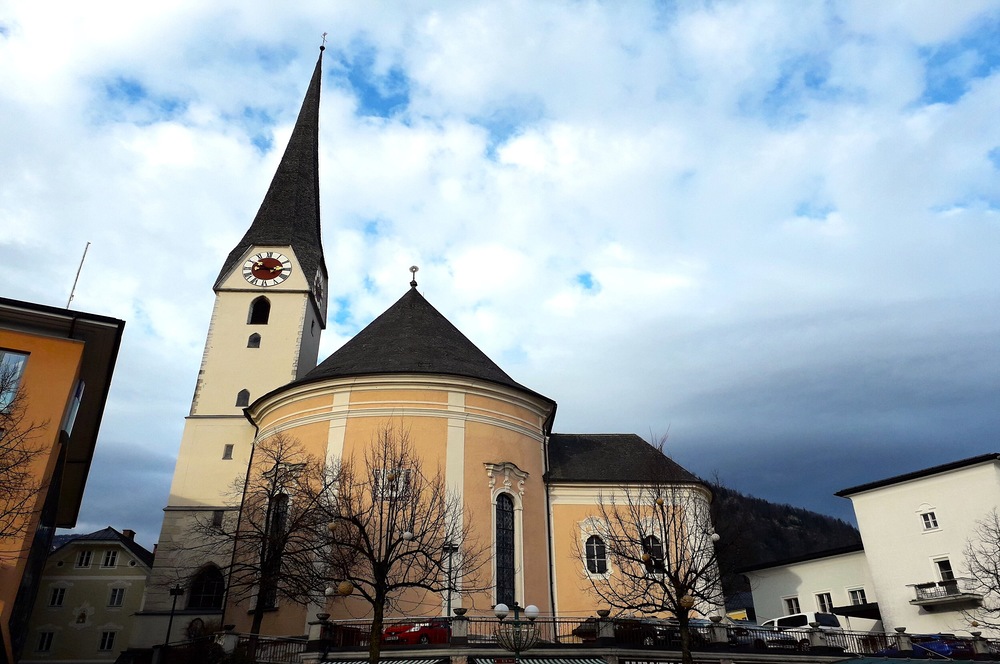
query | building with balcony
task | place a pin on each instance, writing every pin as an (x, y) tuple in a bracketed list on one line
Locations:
[(55, 372), (911, 571)]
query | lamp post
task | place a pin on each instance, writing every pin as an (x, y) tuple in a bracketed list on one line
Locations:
[(175, 592), (516, 635), (450, 549)]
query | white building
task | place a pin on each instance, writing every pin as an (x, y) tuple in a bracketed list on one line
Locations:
[(911, 571)]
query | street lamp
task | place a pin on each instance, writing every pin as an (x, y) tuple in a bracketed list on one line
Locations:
[(450, 549), (516, 635), (175, 592)]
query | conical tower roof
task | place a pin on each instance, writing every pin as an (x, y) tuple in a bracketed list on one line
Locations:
[(289, 214), (412, 336)]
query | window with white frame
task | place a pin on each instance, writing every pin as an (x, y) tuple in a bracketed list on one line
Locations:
[(597, 555), (117, 597), (929, 520), (11, 369), (652, 554), (110, 559), (57, 597), (944, 570), (392, 482), (44, 641), (824, 602), (857, 596), (83, 558), (107, 641), (792, 605)]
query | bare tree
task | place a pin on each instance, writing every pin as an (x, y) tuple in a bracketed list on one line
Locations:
[(982, 558), (660, 542), (19, 449), (395, 528), (281, 534)]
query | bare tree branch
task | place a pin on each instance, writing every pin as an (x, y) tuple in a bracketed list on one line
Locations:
[(19, 449), (661, 552), (392, 522)]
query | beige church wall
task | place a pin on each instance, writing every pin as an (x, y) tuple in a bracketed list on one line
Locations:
[(229, 366), (202, 477), (378, 395), (502, 410), (574, 594)]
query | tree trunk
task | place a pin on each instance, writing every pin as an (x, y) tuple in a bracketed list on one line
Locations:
[(375, 636), (682, 621)]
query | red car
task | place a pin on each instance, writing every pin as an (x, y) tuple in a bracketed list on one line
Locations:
[(432, 630)]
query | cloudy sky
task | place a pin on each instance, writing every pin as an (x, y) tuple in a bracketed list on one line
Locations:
[(769, 229)]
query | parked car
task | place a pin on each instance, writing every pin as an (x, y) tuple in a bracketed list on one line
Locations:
[(761, 637), (826, 622), (933, 646), (433, 630), (647, 632)]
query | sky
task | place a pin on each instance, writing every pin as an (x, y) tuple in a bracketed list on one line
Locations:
[(769, 230)]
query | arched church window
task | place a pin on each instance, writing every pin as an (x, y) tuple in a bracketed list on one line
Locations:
[(207, 589), (652, 550), (505, 549), (597, 555), (243, 398), (260, 311), (253, 341)]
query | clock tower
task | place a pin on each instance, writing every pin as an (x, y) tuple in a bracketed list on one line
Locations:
[(270, 308)]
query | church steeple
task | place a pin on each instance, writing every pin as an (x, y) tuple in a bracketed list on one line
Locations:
[(289, 214)]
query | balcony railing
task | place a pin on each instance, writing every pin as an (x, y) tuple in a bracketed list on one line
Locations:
[(946, 592)]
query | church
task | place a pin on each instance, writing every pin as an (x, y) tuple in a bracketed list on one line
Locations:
[(533, 490)]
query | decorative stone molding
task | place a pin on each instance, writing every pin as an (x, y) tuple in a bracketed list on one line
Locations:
[(508, 473)]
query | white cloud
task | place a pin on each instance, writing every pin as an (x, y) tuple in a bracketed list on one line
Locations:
[(777, 229)]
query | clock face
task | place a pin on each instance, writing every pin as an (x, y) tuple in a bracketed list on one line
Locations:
[(267, 268)]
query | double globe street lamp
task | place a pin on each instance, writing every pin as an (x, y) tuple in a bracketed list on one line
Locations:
[(516, 635)]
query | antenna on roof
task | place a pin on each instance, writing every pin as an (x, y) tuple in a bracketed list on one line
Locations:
[(72, 291), (413, 279)]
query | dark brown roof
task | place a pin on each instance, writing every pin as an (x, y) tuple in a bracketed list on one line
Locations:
[(412, 336), (926, 472), (109, 534), (289, 214), (610, 457)]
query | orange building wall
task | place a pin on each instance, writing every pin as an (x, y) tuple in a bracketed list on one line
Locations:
[(48, 382)]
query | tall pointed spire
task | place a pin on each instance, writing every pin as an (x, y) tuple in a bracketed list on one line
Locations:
[(289, 214)]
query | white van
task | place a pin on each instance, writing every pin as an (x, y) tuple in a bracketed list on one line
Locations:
[(827, 622)]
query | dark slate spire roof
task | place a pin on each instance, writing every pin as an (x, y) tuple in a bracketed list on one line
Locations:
[(610, 457), (289, 214), (412, 336)]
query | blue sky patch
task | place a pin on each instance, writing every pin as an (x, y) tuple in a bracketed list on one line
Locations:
[(994, 157), (128, 99), (341, 310), (951, 67), (507, 122), (800, 79), (274, 59), (258, 124), (587, 281), (813, 210), (379, 94), (4, 30)]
